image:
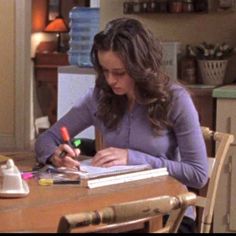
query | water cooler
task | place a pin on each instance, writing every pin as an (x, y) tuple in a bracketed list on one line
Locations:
[(84, 24)]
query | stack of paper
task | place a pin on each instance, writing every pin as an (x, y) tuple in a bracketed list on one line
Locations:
[(123, 178)]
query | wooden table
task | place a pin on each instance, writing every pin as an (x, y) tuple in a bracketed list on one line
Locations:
[(41, 210)]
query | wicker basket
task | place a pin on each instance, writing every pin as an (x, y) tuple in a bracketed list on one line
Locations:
[(213, 71)]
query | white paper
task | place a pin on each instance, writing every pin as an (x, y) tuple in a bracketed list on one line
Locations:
[(85, 166), (89, 171)]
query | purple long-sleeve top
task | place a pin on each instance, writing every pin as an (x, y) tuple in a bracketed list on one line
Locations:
[(181, 149)]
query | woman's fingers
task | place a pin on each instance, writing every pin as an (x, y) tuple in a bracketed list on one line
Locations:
[(110, 157), (101, 157), (66, 156), (77, 152)]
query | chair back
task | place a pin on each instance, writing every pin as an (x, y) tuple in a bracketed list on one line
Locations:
[(222, 143), (175, 206), (41, 123)]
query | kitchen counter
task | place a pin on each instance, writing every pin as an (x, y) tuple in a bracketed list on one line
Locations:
[(227, 91), (225, 205)]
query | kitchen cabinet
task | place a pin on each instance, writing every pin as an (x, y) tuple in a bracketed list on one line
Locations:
[(177, 6), (45, 70), (225, 208)]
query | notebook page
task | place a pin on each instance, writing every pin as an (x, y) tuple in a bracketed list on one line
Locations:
[(93, 171)]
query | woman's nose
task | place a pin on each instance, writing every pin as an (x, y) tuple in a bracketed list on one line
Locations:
[(111, 79)]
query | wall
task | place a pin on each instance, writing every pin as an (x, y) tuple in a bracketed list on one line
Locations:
[(14, 74), (186, 28), (7, 67), (39, 15)]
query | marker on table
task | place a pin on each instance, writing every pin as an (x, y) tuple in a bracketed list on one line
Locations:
[(66, 138), (48, 182)]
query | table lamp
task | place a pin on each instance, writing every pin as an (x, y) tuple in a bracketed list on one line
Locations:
[(58, 26)]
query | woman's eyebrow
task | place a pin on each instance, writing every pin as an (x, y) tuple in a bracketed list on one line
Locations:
[(118, 69), (114, 69)]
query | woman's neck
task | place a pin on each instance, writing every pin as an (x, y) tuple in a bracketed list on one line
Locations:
[(131, 104), (131, 101)]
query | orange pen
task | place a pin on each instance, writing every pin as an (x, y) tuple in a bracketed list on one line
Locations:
[(66, 138)]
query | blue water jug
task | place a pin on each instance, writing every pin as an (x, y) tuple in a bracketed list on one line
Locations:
[(84, 24)]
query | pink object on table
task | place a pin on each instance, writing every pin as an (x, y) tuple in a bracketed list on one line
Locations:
[(27, 175)]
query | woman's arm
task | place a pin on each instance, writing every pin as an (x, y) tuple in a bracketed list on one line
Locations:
[(192, 166), (76, 120)]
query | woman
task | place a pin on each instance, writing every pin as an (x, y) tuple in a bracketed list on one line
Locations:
[(143, 116)]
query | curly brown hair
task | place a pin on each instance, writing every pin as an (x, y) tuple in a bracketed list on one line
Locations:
[(141, 54)]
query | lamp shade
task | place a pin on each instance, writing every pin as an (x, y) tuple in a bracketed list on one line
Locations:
[(58, 25)]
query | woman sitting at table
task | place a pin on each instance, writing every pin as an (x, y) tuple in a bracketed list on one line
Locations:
[(144, 116)]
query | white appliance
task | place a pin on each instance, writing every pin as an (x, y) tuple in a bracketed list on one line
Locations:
[(73, 83), (171, 53)]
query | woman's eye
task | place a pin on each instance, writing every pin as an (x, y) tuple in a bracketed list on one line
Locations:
[(119, 73), (105, 72), (114, 73)]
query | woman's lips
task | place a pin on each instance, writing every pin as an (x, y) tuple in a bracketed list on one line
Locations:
[(116, 89)]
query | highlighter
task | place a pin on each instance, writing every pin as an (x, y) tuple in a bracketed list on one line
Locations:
[(49, 182), (66, 139)]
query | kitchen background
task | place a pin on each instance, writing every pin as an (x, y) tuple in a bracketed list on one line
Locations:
[(215, 26), (17, 82)]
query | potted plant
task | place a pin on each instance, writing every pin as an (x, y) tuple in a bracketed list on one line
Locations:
[(212, 60)]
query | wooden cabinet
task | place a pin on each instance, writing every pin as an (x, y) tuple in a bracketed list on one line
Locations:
[(205, 105), (46, 72), (225, 209), (177, 7)]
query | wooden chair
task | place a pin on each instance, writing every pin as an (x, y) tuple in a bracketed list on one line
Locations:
[(132, 211), (207, 203)]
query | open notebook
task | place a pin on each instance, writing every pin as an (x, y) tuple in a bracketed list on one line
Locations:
[(89, 171), (92, 177)]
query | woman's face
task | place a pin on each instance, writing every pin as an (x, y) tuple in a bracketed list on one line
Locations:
[(115, 74)]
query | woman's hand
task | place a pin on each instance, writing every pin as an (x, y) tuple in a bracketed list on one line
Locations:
[(110, 157), (69, 160)]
